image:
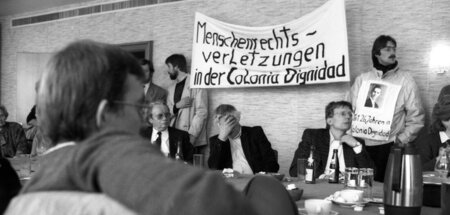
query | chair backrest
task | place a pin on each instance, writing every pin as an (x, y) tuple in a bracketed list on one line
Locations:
[(276, 154), (65, 202)]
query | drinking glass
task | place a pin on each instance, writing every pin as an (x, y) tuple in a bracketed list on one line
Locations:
[(22, 165), (301, 169), (445, 196), (198, 160), (366, 181), (351, 177)]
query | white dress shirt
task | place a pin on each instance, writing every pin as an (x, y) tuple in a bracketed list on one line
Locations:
[(336, 144), (443, 136), (164, 140), (146, 86), (240, 163)]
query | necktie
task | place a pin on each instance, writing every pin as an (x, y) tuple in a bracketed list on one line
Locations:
[(158, 139)]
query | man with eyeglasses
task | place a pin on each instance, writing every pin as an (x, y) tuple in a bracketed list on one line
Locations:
[(409, 114), (172, 142), (89, 103), (243, 149), (351, 150)]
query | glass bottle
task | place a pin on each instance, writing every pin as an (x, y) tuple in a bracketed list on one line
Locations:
[(441, 166), (179, 154), (334, 167), (310, 167)]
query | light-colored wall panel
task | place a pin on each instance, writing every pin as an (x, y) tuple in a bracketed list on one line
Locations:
[(284, 112)]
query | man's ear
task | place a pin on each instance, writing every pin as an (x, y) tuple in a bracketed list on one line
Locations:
[(238, 116), (100, 115), (328, 121)]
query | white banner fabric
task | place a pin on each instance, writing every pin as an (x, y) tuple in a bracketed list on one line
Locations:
[(310, 50)]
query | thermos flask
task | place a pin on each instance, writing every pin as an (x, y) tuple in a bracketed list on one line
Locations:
[(403, 186)]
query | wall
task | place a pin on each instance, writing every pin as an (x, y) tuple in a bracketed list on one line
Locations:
[(284, 112)]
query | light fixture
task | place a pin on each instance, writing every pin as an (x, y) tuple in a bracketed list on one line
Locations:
[(440, 58)]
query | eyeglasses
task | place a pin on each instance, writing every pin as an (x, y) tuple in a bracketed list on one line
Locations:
[(344, 114), (161, 116)]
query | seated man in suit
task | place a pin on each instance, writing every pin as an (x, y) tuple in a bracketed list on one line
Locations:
[(245, 149), (351, 151), (169, 140)]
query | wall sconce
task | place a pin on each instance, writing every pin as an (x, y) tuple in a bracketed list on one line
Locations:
[(440, 58)]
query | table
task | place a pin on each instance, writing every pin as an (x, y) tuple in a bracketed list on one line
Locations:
[(323, 189)]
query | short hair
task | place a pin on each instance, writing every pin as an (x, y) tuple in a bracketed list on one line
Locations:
[(329, 109), (3, 109), (151, 105), (75, 81), (224, 109), (148, 63), (380, 43), (376, 86), (441, 112), (177, 60)]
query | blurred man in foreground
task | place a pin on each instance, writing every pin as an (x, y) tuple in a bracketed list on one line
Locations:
[(89, 105)]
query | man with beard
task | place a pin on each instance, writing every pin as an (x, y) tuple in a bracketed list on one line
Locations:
[(189, 106), (172, 142), (244, 149), (152, 91), (408, 116), (351, 151)]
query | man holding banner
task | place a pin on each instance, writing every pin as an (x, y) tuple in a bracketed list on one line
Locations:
[(188, 106), (401, 116)]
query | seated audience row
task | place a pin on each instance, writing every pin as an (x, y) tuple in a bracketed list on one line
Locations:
[(101, 150)]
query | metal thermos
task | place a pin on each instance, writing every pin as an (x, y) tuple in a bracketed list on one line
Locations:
[(403, 187)]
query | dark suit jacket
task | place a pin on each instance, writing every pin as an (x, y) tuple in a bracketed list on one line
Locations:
[(428, 145), (257, 150), (320, 138), (175, 135), (155, 93), (369, 103)]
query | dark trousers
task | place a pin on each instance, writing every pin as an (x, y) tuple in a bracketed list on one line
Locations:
[(380, 155), (269, 197)]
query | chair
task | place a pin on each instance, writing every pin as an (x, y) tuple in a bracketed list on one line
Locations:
[(65, 202), (276, 154)]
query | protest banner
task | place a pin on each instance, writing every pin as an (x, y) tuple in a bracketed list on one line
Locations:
[(310, 50), (374, 110)]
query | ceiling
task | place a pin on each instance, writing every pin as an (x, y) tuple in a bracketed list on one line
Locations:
[(9, 7)]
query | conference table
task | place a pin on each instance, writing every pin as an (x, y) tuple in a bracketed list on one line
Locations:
[(322, 189), (26, 166)]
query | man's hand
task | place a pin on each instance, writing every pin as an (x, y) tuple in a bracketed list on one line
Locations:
[(226, 127), (185, 102), (349, 140)]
